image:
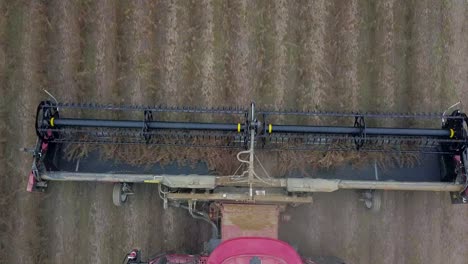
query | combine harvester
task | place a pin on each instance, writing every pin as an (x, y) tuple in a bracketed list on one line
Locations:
[(250, 193)]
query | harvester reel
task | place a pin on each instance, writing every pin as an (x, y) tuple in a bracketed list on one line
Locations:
[(150, 130), (46, 113)]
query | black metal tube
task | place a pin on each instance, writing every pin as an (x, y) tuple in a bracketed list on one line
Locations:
[(357, 131), (70, 122)]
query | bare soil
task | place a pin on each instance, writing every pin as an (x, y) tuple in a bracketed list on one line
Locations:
[(327, 55)]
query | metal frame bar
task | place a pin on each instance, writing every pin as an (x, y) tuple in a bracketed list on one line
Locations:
[(336, 130), (276, 198), (378, 131), (195, 181), (74, 122)]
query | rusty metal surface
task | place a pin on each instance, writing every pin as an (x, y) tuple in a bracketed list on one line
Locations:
[(241, 220)]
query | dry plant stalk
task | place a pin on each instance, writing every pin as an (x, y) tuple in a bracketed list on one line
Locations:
[(223, 161)]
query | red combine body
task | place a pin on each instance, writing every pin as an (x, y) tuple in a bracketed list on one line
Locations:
[(242, 250), (249, 235)]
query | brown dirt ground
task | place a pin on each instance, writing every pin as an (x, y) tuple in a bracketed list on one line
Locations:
[(330, 55)]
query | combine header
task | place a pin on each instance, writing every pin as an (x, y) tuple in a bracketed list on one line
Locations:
[(439, 140), (249, 130)]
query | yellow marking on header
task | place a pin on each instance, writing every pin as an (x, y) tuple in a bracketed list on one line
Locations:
[(238, 127), (270, 128), (52, 121), (452, 133), (152, 181)]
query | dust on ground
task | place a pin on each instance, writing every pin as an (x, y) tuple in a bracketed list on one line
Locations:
[(322, 55)]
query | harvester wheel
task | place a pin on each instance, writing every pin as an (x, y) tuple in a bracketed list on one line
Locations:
[(372, 200), (119, 197), (376, 201)]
